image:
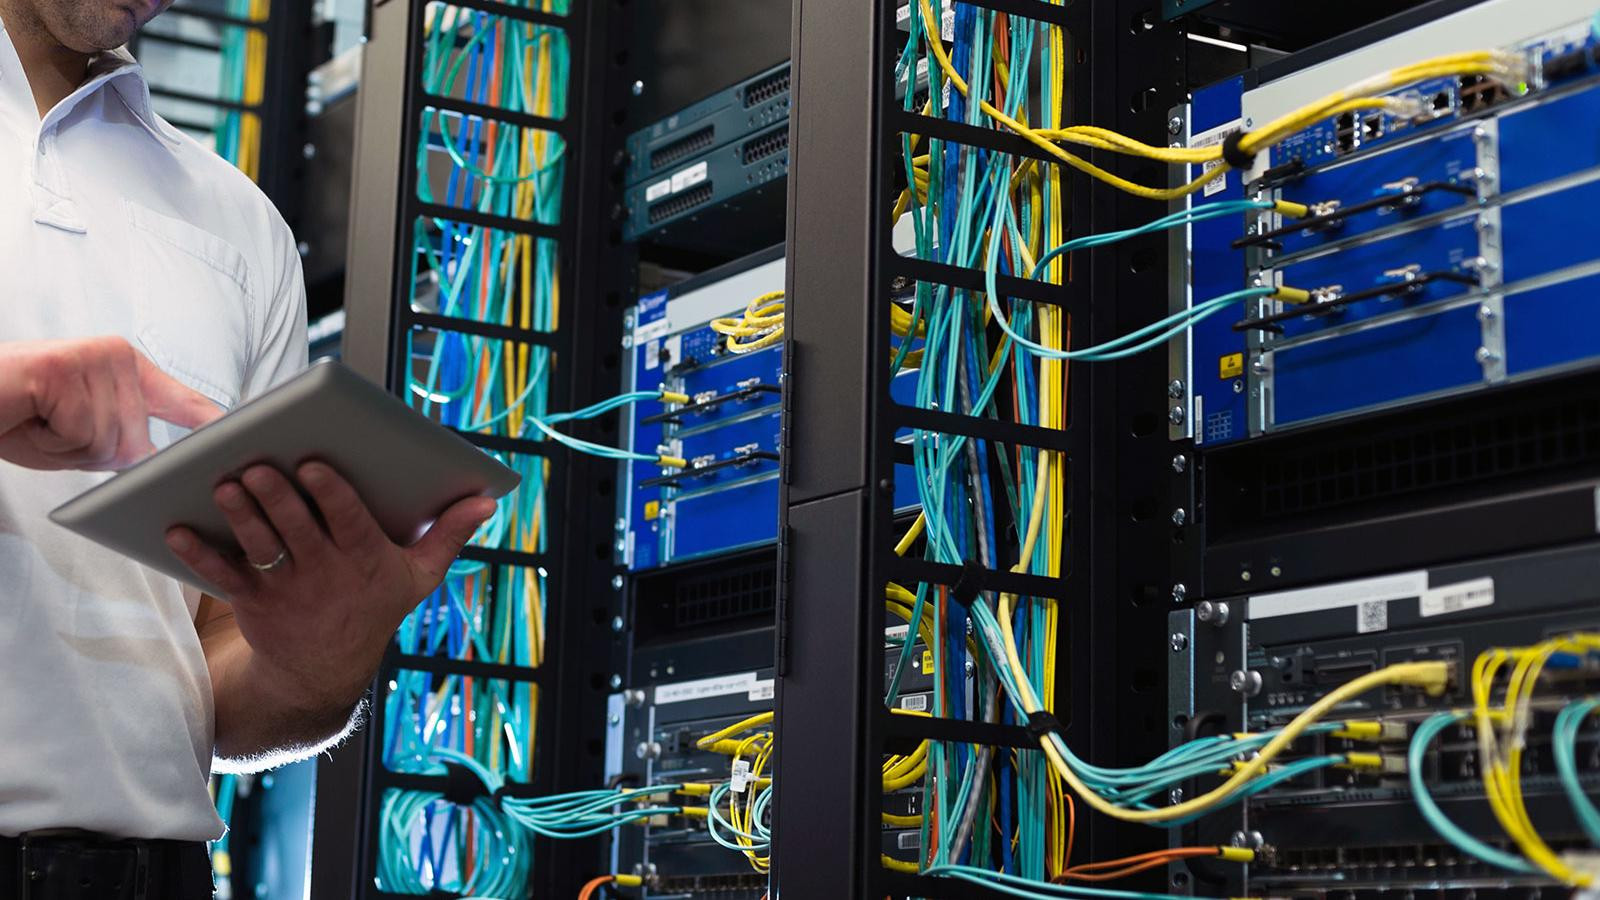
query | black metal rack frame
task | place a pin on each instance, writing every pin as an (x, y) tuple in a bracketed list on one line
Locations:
[(838, 526), (580, 643)]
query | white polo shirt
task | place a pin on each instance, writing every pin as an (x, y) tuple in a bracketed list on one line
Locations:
[(114, 222)]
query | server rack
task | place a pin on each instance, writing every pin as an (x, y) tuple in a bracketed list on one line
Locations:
[(838, 530), (578, 668)]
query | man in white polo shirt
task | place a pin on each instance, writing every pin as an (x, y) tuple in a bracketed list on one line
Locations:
[(144, 276)]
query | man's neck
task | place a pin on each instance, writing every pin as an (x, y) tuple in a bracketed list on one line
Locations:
[(53, 71)]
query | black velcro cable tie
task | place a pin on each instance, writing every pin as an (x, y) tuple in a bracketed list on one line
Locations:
[(1234, 155), (966, 587), (462, 787), (1042, 723)]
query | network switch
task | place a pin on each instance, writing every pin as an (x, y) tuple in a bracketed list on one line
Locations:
[(1430, 245)]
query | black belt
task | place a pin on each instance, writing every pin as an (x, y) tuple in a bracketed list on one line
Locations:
[(89, 867)]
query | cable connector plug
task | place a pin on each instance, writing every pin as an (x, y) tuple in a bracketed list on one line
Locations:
[(1236, 854), (1377, 730), (1380, 763), (629, 881), (1292, 295), (673, 397), (1291, 209), (1433, 676)]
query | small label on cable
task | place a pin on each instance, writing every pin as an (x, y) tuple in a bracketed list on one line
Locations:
[(741, 776), (1456, 597)]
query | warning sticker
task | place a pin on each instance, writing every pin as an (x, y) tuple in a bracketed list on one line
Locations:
[(1230, 366)]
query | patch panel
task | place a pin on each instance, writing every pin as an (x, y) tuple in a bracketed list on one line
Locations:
[(1252, 662), (672, 208), (1434, 227), (724, 117)]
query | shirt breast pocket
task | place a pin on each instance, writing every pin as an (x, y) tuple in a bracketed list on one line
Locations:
[(193, 299)]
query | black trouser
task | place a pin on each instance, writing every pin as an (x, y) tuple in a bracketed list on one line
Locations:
[(89, 867)]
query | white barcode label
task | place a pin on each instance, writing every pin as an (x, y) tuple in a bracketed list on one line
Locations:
[(689, 177), (915, 702), (1456, 597), (1212, 138), (1372, 615), (760, 690), (741, 776), (658, 190)]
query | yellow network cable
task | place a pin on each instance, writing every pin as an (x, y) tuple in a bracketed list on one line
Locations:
[(1487, 62), (759, 327), (1503, 757)]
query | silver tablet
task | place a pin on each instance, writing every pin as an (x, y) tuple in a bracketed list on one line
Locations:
[(407, 468)]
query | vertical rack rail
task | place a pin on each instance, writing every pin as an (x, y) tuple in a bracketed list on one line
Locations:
[(383, 320), (839, 529)]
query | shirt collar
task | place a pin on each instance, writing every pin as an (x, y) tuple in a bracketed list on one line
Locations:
[(123, 73)]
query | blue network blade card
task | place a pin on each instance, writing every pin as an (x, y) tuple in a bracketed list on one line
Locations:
[(1419, 180), (1410, 259), (728, 115)]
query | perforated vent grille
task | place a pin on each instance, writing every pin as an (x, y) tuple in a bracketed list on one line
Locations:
[(683, 202), (1536, 436), (767, 88), (704, 599), (769, 144), (683, 147)]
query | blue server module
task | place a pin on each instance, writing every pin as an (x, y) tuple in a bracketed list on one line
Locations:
[(728, 432), (1446, 246)]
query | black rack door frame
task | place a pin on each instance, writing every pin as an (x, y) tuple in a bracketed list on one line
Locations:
[(379, 319), (838, 525)]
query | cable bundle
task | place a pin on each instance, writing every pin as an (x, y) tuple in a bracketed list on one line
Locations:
[(482, 385), (243, 81)]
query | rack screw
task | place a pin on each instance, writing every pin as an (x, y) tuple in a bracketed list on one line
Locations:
[(1485, 355), (650, 750), (1179, 592), (1179, 516), (1180, 463), (614, 719), (616, 582), (1175, 415), (616, 624), (1175, 796), (1175, 389), (616, 682), (1245, 681), (638, 88), (1485, 313), (633, 697), (1174, 125), (1179, 642), (1212, 613)]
